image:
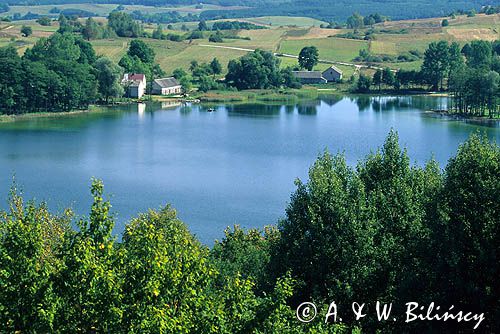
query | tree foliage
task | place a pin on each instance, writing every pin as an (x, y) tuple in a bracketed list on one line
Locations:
[(109, 76), (381, 230), (124, 25), (26, 31), (308, 57), (56, 74), (256, 70)]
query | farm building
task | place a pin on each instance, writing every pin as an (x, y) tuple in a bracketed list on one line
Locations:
[(332, 74), (134, 84), (166, 86), (309, 77)]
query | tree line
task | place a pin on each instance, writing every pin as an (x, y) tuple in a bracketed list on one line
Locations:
[(63, 73), (383, 230), (339, 11), (470, 73), (256, 70)]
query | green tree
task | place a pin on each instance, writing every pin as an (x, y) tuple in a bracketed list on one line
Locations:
[(186, 82), (325, 242), (202, 26), (158, 32), (109, 77), (388, 77), (397, 195), (167, 273), (179, 73), (44, 21), (308, 57), (30, 239), (455, 61), (377, 79), (87, 52), (68, 58), (255, 70), (206, 83), (290, 80), (445, 23), (91, 29), (12, 97), (465, 233), (215, 66), (246, 253), (124, 25), (368, 21), (141, 50), (480, 55), (363, 84), (216, 38), (26, 31), (355, 21), (436, 63), (89, 278)]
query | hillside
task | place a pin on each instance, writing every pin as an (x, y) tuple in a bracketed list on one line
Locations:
[(390, 40), (328, 10)]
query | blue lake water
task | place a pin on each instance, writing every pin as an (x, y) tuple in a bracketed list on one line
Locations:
[(232, 166)]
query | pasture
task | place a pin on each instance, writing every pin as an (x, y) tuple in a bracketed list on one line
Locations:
[(330, 48), (286, 35)]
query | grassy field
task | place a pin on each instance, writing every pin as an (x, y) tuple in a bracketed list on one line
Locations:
[(284, 34), (267, 39), (285, 21), (269, 21), (330, 48)]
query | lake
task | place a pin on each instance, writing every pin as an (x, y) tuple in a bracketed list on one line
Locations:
[(236, 165)]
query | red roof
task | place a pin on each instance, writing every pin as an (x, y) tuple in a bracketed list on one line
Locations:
[(138, 77)]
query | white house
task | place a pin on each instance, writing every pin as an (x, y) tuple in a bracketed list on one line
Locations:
[(166, 86), (134, 84), (332, 74)]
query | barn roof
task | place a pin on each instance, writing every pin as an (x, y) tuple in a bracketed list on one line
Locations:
[(167, 82), (308, 74), (336, 69)]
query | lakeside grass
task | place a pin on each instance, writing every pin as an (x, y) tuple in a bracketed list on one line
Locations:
[(264, 95), (91, 110)]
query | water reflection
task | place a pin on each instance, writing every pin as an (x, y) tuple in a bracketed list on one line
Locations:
[(141, 110), (170, 104), (254, 110), (331, 100), (363, 102), (399, 103), (308, 107)]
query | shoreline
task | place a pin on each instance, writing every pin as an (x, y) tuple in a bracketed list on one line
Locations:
[(94, 109), (31, 115), (249, 96), (461, 117)]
